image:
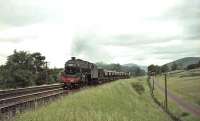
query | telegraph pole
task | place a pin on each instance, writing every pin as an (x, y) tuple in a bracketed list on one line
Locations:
[(46, 71), (153, 80), (166, 103)]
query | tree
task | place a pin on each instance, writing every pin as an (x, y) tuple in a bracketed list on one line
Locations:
[(54, 75), (158, 69), (164, 68), (134, 69), (3, 72), (193, 66), (23, 69), (174, 66), (116, 67), (38, 62), (151, 68), (154, 68), (139, 72)]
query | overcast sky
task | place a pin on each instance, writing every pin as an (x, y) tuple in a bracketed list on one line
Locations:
[(113, 31)]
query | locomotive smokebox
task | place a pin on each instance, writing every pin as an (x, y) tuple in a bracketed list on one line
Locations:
[(73, 58)]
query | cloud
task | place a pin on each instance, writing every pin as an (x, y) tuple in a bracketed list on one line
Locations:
[(87, 46), (13, 40), (24, 12), (52, 40), (19, 34), (141, 32), (131, 40), (187, 15), (133, 48), (3, 55)]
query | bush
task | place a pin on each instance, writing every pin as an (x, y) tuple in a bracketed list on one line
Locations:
[(23, 69), (193, 66), (138, 87)]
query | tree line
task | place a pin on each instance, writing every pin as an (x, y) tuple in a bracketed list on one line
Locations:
[(193, 66), (24, 69), (134, 70), (163, 69)]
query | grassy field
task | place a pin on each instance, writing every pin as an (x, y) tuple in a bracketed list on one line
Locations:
[(123, 100), (186, 85)]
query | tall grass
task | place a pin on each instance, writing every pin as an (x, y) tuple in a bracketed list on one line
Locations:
[(116, 101), (185, 84)]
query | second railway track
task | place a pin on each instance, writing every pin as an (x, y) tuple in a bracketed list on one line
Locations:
[(16, 100)]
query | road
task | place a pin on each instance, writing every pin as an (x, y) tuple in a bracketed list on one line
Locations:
[(187, 106)]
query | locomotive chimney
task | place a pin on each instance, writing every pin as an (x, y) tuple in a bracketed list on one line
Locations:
[(73, 58)]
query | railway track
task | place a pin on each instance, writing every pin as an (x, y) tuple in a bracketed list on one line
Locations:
[(17, 100)]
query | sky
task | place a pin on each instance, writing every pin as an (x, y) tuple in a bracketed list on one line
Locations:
[(143, 32)]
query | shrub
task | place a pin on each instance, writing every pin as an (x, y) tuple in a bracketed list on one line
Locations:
[(138, 87)]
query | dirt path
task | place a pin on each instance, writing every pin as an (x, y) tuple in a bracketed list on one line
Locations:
[(187, 106)]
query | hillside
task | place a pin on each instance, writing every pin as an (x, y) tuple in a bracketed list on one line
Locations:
[(184, 62), (134, 69), (123, 100), (135, 65)]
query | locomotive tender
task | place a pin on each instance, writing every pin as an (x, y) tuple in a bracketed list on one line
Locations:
[(78, 73)]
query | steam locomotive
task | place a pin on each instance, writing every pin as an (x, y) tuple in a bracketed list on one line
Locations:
[(78, 73)]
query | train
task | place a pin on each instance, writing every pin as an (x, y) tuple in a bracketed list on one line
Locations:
[(78, 73)]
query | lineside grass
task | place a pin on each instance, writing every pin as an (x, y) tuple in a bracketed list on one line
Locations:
[(185, 84), (174, 108), (122, 100)]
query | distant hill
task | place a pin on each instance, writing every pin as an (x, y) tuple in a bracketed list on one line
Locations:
[(184, 62), (135, 65), (131, 65), (134, 69)]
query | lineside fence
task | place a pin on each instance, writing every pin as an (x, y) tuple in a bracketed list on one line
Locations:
[(161, 102)]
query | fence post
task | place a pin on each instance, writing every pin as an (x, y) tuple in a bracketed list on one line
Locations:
[(166, 105), (46, 72), (153, 81)]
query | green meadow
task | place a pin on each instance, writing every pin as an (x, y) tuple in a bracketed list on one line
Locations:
[(184, 84), (122, 100)]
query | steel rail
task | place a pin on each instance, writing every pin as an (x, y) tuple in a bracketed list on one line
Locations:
[(21, 91), (28, 100), (18, 99), (26, 96)]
